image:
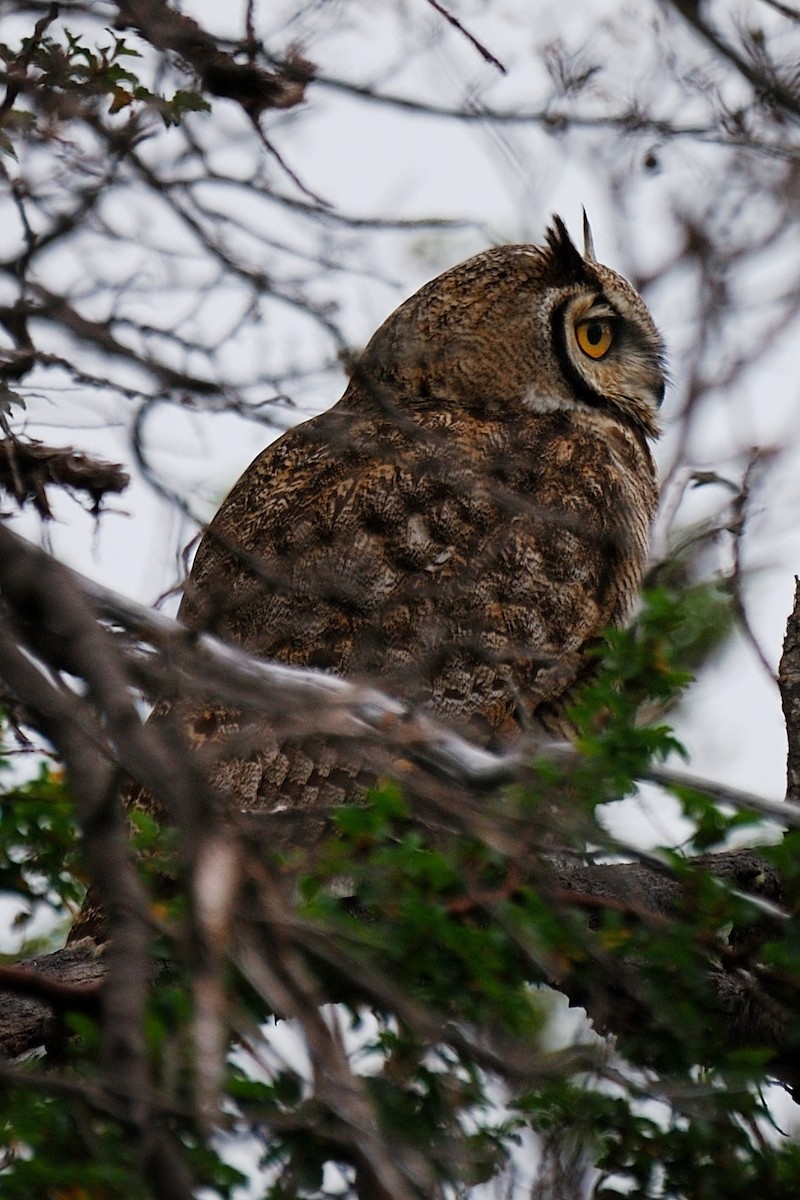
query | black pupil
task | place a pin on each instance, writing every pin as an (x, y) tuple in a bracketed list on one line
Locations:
[(594, 333)]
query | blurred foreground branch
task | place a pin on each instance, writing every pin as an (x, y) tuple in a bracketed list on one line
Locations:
[(252, 86), (647, 892)]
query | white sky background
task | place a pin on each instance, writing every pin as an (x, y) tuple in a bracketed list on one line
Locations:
[(504, 182)]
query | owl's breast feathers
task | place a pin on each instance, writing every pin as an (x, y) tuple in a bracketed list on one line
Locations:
[(464, 563)]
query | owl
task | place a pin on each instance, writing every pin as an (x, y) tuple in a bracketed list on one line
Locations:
[(458, 529)]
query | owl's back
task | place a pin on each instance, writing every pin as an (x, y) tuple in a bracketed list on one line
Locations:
[(463, 562)]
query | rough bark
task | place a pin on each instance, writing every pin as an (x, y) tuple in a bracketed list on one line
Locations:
[(27, 468), (789, 683), (38, 992), (252, 86)]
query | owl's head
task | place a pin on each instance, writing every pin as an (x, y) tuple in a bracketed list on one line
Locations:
[(544, 328)]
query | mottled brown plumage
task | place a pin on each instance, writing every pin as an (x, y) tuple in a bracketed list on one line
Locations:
[(460, 526)]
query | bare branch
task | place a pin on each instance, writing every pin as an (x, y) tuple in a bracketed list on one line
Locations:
[(37, 993), (340, 707), (737, 526), (26, 468), (789, 682), (19, 67), (776, 810), (766, 84), (42, 985), (485, 54)]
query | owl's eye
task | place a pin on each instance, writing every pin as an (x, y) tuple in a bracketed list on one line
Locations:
[(595, 336)]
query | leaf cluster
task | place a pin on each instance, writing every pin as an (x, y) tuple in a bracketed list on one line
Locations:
[(39, 862), (65, 78)]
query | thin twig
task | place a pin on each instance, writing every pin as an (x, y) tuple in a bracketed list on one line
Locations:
[(781, 811), (21, 63), (737, 528), (485, 54), (354, 710)]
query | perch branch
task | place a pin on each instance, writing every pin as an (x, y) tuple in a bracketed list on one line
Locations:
[(26, 468), (250, 85), (338, 707), (789, 684)]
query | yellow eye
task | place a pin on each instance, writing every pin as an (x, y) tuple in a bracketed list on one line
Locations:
[(595, 337)]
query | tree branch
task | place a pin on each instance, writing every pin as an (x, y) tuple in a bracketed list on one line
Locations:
[(251, 86), (26, 468), (334, 707), (789, 684)]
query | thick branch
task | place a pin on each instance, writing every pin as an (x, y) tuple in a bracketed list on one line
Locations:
[(763, 79), (789, 683), (27, 467), (251, 86), (19, 66), (36, 995), (333, 706), (650, 895)]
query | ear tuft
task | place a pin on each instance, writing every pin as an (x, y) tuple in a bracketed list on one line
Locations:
[(565, 259), (588, 240)]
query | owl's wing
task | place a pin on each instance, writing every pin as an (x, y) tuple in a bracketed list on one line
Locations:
[(417, 559), (463, 563)]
